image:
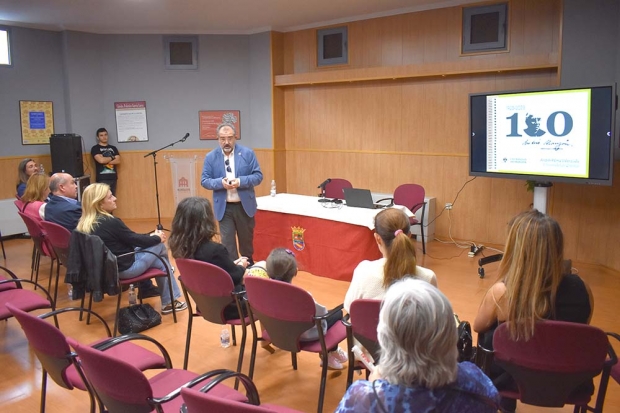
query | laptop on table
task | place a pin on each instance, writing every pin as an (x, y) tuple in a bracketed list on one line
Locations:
[(360, 198)]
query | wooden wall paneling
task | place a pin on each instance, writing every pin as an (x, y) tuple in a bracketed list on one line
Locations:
[(392, 40), (304, 118), (430, 36), (539, 26), (413, 47), (436, 29), (288, 52), (304, 47), (371, 43)]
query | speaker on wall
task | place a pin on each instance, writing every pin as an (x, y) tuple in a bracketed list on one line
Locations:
[(66, 151)]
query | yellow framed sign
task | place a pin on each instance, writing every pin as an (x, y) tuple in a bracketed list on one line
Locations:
[(37, 122)]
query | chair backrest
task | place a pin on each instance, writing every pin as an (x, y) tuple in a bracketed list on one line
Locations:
[(558, 358), (334, 188), (49, 344), (59, 237), (120, 386), (284, 310), (198, 402), (19, 204), (38, 235), (364, 318), (209, 286), (410, 195)]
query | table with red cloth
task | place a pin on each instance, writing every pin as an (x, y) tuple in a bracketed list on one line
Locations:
[(327, 241)]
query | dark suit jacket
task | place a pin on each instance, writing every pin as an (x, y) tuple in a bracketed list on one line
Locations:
[(62, 212)]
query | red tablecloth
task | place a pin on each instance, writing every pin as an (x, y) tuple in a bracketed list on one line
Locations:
[(330, 249)]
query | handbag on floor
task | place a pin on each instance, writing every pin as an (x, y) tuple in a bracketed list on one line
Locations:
[(137, 318)]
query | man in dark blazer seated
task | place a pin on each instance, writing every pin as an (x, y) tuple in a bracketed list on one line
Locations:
[(231, 172), (63, 208)]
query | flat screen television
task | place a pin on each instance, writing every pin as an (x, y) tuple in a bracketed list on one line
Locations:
[(563, 135)]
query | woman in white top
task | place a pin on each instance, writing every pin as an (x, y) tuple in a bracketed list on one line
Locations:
[(371, 279)]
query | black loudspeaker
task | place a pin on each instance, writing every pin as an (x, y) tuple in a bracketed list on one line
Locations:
[(66, 151)]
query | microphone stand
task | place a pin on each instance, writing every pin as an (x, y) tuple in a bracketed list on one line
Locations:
[(154, 155)]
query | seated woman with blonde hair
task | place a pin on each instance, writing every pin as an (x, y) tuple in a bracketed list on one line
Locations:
[(37, 190), (372, 278), (98, 203), (531, 286), (418, 370)]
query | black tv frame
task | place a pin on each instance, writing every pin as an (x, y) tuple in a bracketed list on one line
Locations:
[(480, 133)]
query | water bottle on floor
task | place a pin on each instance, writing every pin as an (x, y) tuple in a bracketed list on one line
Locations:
[(133, 299), (225, 338), (70, 289)]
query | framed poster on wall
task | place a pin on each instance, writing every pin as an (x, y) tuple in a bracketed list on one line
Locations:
[(131, 123), (209, 120), (37, 122)]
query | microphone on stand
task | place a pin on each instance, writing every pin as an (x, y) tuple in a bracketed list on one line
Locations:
[(185, 137), (325, 182)]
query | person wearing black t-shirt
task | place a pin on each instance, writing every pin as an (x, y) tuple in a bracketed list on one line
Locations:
[(106, 159)]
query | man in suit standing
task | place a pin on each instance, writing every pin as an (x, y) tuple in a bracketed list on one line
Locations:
[(63, 208), (231, 172)]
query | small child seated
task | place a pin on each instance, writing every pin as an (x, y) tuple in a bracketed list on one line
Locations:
[(282, 266)]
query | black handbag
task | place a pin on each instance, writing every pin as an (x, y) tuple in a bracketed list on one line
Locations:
[(465, 342), (137, 318)]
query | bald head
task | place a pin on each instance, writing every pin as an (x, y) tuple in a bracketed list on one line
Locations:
[(63, 184)]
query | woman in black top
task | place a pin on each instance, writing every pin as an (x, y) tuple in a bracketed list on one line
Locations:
[(192, 236), (97, 219)]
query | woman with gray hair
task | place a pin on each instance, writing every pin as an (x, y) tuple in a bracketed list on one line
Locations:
[(418, 371)]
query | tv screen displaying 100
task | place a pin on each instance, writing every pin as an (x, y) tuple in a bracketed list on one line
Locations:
[(547, 135)]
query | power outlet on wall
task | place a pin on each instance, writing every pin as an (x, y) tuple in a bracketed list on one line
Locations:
[(448, 205)]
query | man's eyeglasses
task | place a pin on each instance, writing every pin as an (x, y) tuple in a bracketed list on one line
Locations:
[(227, 163), (226, 138)]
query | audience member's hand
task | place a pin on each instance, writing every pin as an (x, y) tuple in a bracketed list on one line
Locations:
[(243, 261), (160, 234)]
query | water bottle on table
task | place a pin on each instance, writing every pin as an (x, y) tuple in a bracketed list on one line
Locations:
[(273, 188)]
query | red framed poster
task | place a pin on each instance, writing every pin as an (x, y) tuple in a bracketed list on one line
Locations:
[(209, 120)]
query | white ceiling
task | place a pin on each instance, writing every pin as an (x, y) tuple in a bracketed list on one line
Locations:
[(200, 16)]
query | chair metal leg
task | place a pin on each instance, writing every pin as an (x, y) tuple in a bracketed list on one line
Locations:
[(188, 339), (294, 360), (253, 354), (57, 279), (43, 389), (36, 265), (49, 281), (34, 252), (90, 305), (241, 351), (118, 307), (323, 381), (423, 242), (174, 311), (234, 336), (2, 243), (351, 366)]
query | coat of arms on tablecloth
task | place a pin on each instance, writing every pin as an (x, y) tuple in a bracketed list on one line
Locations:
[(298, 238)]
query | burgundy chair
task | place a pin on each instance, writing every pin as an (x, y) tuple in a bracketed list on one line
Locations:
[(122, 388), (556, 366), (12, 292), (58, 237), (81, 253), (286, 312), (57, 359), (361, 325), (212, 290), (615, 370), (42, 247), (201, 401), (334, 188), (412, 197)]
